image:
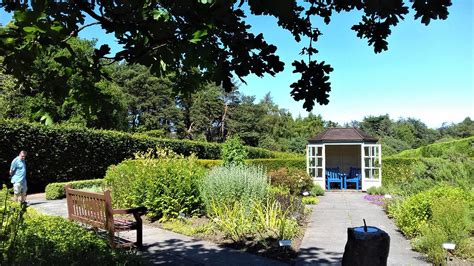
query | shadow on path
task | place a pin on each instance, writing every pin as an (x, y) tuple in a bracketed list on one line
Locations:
[(193, 252), (318, 256)]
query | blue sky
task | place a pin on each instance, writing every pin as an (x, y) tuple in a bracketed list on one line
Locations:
[(427, 73)]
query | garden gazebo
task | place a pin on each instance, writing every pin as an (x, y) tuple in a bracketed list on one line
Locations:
[(344, 149)]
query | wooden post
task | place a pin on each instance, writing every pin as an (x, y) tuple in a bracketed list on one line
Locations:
[(109, 218), (70, 209)]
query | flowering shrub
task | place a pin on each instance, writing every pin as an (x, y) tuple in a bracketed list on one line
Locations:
[(296, 180)]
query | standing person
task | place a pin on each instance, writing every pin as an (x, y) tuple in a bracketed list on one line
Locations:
[(18, 177)]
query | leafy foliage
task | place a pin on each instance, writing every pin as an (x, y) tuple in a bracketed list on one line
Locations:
[(376, 191), (435, 216), (28, 236), (451, 222), (268, 164), (186, 227), (212, 36), (408, 176), (398, 135), (150, 101), (167, 185), (412, 213), (296, 180), (461, 147), (233, 152), (240, 221), (310, 200), (317, 190), (12, 217), (435, 196), (55, 241), (461, 130), (57, 191), (71, 97), (228, 184)]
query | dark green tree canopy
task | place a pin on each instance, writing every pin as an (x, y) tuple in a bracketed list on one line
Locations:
[(210, 35)]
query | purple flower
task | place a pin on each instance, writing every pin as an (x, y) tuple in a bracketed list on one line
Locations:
[(376, 199)]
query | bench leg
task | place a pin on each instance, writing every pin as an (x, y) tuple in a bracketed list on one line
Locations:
[(111, 238), (140, 236)]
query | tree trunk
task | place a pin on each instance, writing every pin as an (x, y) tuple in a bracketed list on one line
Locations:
[(223, 122)]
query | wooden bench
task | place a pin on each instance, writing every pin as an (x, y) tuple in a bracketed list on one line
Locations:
[(95, 209)]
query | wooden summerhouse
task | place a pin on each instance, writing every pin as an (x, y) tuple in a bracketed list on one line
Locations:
[(344, 158)]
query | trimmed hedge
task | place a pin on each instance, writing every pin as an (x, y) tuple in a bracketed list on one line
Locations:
[(411, 175), (57, 191), (398, 170), (275, 164), (269, 164), (443, 149), (62, 153)]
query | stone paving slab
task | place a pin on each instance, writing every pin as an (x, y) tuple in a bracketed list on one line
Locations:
[(326, 235)]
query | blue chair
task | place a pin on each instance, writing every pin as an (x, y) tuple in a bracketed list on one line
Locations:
[(333, 176), (353, 177)]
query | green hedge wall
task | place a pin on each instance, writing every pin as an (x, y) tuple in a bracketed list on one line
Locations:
[(411, 175), (269, 164), (398, 170), (443, 149), (60, 153), (274, 164)]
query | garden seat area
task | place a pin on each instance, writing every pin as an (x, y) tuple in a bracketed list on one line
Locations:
[(166, 247), (162, 246), (95, 209)]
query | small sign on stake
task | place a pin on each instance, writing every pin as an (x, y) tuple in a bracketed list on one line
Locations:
[(449, 246), (284, 243)]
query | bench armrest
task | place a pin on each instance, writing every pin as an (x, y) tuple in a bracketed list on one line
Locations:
[(138, 210)]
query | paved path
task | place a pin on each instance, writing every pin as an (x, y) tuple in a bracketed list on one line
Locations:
[(326, 236), (323, 243), (168, 248)]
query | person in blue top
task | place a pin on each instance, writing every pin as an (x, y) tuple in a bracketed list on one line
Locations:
[(18, 177)]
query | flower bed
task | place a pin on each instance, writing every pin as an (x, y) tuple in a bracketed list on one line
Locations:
[(375, 199)]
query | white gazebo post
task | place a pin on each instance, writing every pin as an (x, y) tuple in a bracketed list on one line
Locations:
[(315, 163), (371, 155)]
